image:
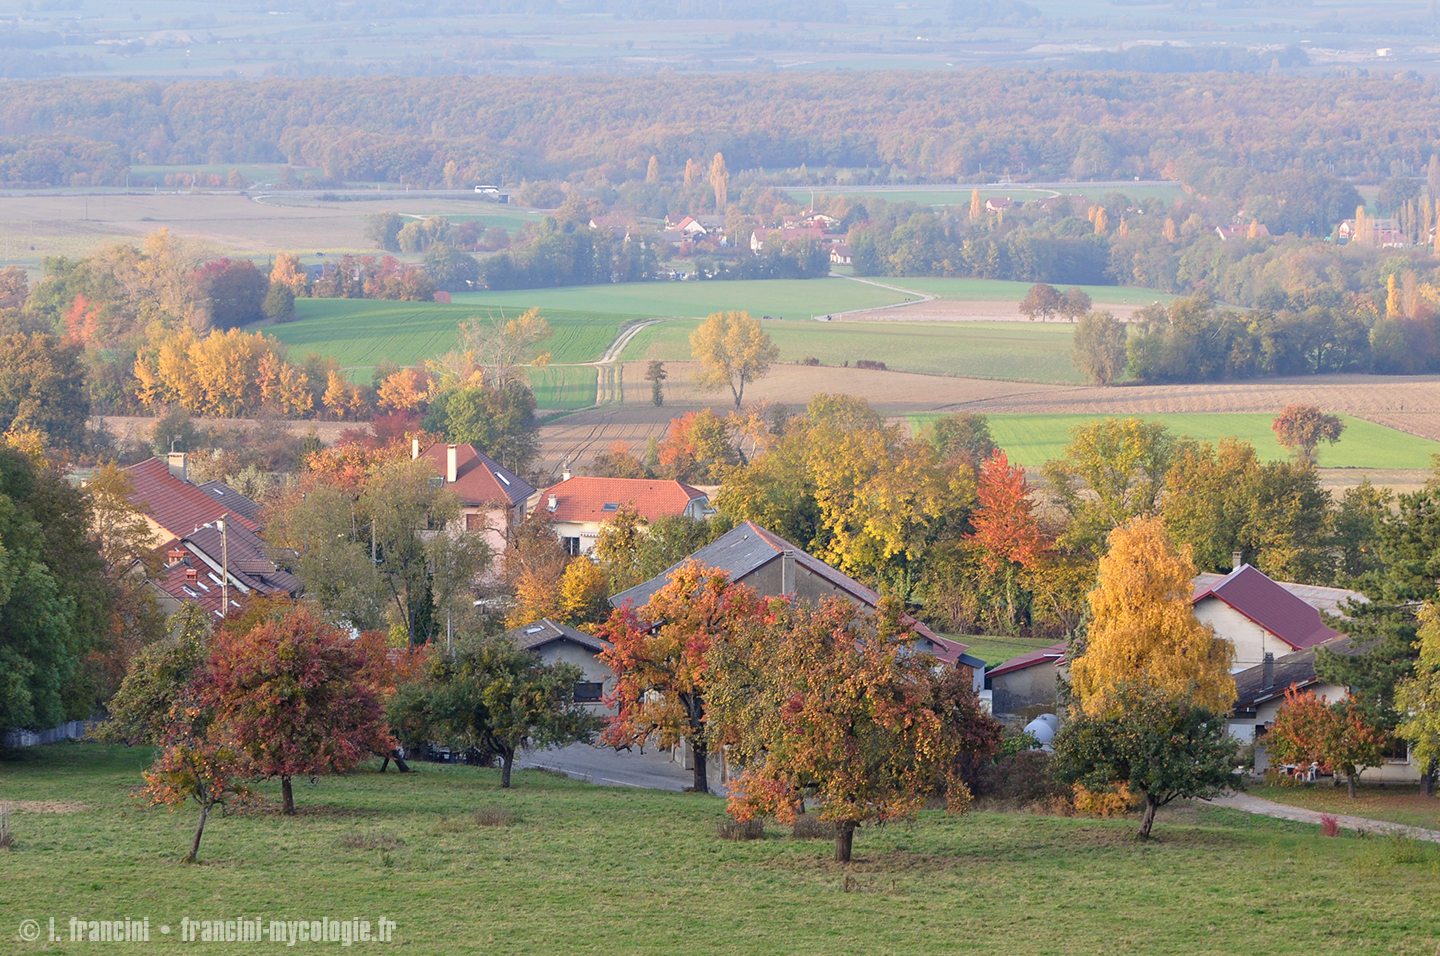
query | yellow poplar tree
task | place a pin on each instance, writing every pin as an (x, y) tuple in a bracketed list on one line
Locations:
[(652, 172), (720, 180), (1393, 308), (977, 208), (1169, 230), (1143, 631), (1102, 221), (1418, 696)]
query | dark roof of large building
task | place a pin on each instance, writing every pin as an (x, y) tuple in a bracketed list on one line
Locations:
[(1053, 654), (176, 505), (747, 547), (1297, 669), (232, 499), (1249, 591), (537, 634), (479, 479), (585, 498)]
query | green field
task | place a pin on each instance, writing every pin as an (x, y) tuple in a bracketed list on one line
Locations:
[(602, 870), (795, 298), (1010, 351), (1035, 439), (999, 290), (362, 333), (564, 386)]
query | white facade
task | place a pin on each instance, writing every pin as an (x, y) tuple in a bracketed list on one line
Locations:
[(1251, 641)]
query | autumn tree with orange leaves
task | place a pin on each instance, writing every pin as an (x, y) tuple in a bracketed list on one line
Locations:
[(832, 706), (659, 655), (1006, 530)]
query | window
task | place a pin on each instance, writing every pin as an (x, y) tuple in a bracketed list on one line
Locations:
[(589, 692), (611, 506), (474, 521), (1395, 750), (437, 481), (571, 545)]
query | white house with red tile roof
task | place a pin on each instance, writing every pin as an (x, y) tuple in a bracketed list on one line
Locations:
[(579, 505), (493, 499)]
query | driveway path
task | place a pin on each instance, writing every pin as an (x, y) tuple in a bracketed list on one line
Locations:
[(1268, 808), (653, 770)]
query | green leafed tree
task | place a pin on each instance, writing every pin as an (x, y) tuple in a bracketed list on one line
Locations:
[(1099, 347)]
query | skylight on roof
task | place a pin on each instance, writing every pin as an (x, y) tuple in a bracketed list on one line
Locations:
[(502, 477), (611, 506), (535, 630)]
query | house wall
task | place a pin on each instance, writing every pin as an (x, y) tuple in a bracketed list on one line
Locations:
[(568, 652), (1030, 687), (1251, 641), (497, 522)]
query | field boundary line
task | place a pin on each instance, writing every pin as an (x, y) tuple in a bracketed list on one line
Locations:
[(924, 297)]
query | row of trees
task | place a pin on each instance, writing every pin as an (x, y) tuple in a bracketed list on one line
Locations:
[(1058, 125)]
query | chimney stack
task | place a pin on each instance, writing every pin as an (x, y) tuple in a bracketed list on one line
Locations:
[(176, 463), (565, 470), (414, 448), (1268, 670), (554, 503), (1235, 561), (787, 572), (452, 463)]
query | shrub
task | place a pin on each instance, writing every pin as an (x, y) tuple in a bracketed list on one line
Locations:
[(731, 829), (809, 361), (1023, 778), (808, 826), (867, 363), (1104, 803), (1329, 825)]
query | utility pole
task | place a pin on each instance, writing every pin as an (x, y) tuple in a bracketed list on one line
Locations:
[(224, 569)]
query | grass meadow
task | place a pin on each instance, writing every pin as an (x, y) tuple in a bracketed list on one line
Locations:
[(997, 649), (1036, 439), (362, 333), (602, 870), (1001, 290), (795, 298), (1009, 351)]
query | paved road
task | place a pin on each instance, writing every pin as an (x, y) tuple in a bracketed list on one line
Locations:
[(626, 768), (1268, 808)]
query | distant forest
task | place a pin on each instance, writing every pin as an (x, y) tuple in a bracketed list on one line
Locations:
[(910, 126)]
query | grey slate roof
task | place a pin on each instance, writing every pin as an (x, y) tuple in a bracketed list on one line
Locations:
[(537, 634), (1297, 669), (232, 499)]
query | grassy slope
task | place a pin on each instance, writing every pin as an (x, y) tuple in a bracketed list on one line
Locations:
[(1011, 351), (777, 297), (1035, 439), (618, 870), (363, 332)]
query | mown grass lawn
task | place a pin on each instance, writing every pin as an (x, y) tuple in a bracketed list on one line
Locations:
[(1035, 439), (1398, 804), (1008, 351), (601, 870), (1000, 290)]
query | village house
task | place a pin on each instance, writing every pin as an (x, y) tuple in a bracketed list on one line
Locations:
[(579, 505), (493, 499), (1383, 233), (1254, 230), (760, 237), (220, 567), (840, 253), (774, 567), (173, 506), (998, 203), (1025, 685), (562, 644)]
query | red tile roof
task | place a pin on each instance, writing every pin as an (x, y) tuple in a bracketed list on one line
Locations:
[(479, 479), (1045, 655), (177, 506), (585, 498), (203, 552), (1249, 591)]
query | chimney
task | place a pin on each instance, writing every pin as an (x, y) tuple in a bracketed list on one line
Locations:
[(452, 463), (414, 448), (554, 503), (787, 572), (565, 470), (1235, 561), (1267, 670), (176, 464)]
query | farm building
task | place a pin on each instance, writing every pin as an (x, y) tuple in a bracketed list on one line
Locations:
[(1260, 616), (774, 567), (1026, 683), (578, 506), (562, 644)]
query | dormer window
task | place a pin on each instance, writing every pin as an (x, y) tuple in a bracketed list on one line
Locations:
[(611, 506)]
